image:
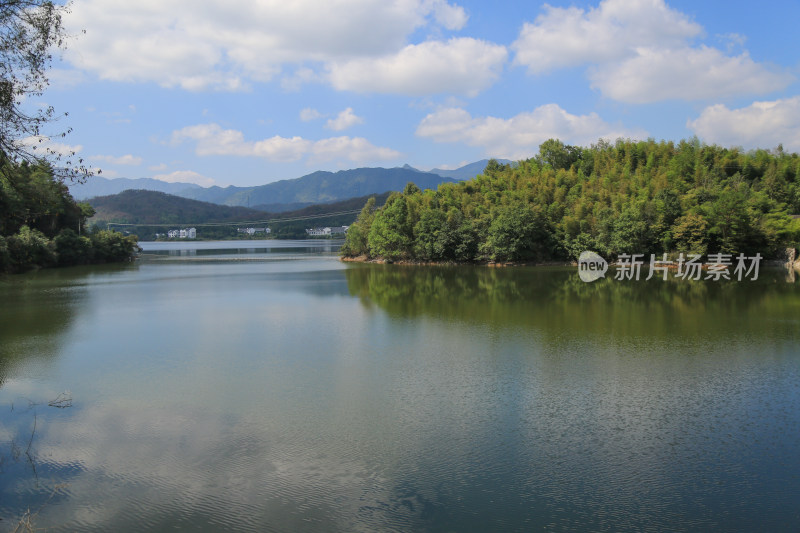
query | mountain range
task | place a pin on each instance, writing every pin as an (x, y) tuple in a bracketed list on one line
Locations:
[(318, 187), (154, 207), (147, 213), (100, 186), (315, 188)]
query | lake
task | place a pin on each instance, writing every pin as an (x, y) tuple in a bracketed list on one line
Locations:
[(267, 386)]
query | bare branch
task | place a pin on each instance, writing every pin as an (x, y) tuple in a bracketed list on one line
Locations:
[(30, 31)]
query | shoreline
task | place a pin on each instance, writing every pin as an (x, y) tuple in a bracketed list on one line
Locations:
[(503, 264), (491, 264)]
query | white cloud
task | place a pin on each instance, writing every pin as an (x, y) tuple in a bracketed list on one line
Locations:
[(185, 176), (308, 114), (278, 148), (565, 37), (732, 40), (519, 137), (685, 74), (127, 159), (301, 76), (640, 51), (355, 149), (450, 16), (217, 46), (759, 125), (344, 120), (211, 139), (460, 65), (44, 145), (158, 168)]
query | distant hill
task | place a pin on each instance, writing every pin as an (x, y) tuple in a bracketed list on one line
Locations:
[(467, 171), (350, 204), (153, 207), (321, 187), (315, 188), (100, 186), (216, 195), (174, 212)]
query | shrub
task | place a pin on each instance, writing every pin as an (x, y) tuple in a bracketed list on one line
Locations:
[(112, 246), (73, 249), (30, 249)]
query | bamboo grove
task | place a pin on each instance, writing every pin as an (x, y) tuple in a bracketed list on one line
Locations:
[(627, 197)]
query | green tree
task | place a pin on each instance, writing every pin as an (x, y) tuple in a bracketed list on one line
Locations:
[(730, 222), (430, 236), (558, 155), (410, 189), (391, 235), (462, 238), (630, 232), (668, 209), (690, 234), (356, 240), (29, 248), (113, 246), (493, 166), (73, 249), (516, 233), (582, 242)]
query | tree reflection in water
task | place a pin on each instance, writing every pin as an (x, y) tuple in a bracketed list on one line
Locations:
[(554, 301)]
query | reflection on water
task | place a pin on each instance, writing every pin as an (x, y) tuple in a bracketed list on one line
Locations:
[(38, 309), (309, 395), (560, 307), (240, 249)]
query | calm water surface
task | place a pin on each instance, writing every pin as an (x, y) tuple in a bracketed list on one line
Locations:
[(266, 386)]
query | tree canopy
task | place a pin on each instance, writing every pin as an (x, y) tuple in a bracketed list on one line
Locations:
[(627, 197), (41, 225)]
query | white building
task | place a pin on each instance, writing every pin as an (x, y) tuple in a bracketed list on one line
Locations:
[(253, 231), (327, 231), (188, 233)]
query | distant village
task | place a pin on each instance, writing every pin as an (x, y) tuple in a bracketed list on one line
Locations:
[(188, 233), (253, 231), (191, 233), (327, 231)]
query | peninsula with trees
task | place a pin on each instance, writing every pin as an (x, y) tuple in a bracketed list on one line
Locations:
[(644, 197), (41, 225)]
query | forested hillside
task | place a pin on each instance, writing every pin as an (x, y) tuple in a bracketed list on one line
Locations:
[(149, 212), (41, 225), (152, 207), (628, 197)]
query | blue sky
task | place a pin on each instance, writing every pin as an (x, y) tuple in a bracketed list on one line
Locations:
[(242, 93)]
